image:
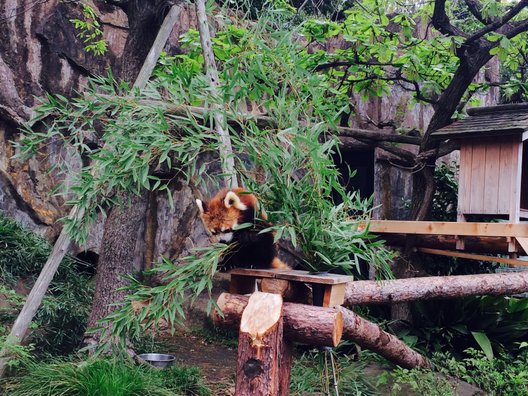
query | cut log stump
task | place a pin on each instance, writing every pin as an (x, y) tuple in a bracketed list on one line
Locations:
[(263, 356)]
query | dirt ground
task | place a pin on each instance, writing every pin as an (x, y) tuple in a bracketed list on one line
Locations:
[(217, 361)]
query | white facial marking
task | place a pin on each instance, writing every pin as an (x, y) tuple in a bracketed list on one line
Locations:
[(225, 237), (235, 199)]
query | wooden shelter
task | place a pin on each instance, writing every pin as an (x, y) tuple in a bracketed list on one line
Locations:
[(493, 179)]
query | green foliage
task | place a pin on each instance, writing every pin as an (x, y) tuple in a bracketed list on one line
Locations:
[(446, 194), (505, 375), (107, 377), (145, 307), (60, 322), (420, 381), (312, 373), (90, 31), (489, 323)]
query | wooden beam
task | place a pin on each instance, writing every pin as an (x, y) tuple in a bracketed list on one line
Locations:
[(492, 245), (293, 275), (471, 256), (305, 324), (157, 47), (448, 228), (225, 149)]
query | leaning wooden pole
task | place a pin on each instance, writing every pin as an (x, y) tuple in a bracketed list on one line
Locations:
[(35, 297), (226, 150), (456, 286)]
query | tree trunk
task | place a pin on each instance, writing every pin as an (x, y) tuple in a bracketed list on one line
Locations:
[(125, 223), (122, 229), (472, 59)]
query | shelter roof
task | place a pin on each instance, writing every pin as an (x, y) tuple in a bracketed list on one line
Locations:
[(500, 120)]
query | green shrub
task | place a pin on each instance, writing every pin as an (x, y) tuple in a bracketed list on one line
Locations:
[(504, 375), (59, 324), (107, 377)]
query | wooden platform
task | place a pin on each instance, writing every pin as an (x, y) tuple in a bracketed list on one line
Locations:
[(332, 286), (493, 238), (449, 228)]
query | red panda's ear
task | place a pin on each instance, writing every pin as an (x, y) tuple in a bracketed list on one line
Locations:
[(202, 206), (233, 200)]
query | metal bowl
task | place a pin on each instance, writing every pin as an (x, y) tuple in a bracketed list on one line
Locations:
[(158, 360)]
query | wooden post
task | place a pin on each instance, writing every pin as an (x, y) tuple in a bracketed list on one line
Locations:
[(261, 348), (34, 299)]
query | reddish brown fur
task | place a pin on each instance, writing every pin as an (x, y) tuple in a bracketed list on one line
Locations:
[(255, 249), (218, 216)]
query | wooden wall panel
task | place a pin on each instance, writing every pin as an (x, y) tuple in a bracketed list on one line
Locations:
[(506, 166), (464, 181), (491, 178), (477, 178)]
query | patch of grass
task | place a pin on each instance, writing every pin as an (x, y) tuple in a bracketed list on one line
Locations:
[(107, 377), (312, 373)]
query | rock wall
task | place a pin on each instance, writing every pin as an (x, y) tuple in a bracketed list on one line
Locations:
[(39, 53)]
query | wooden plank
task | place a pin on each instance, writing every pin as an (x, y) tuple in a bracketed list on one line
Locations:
[(294, 275), (524, 180), (523, 242), (491, 179), (505, 170), (464, 191), (471, 256), (478, 161), (448, 228), (515, 198)]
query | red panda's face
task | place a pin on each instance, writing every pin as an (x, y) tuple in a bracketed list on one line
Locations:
[(223, 213)]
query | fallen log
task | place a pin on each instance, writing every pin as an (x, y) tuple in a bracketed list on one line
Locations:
[(456, 286), (305, 324), (370, 336)]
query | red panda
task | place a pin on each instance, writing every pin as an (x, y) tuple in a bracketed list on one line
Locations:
[(221, 215)]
